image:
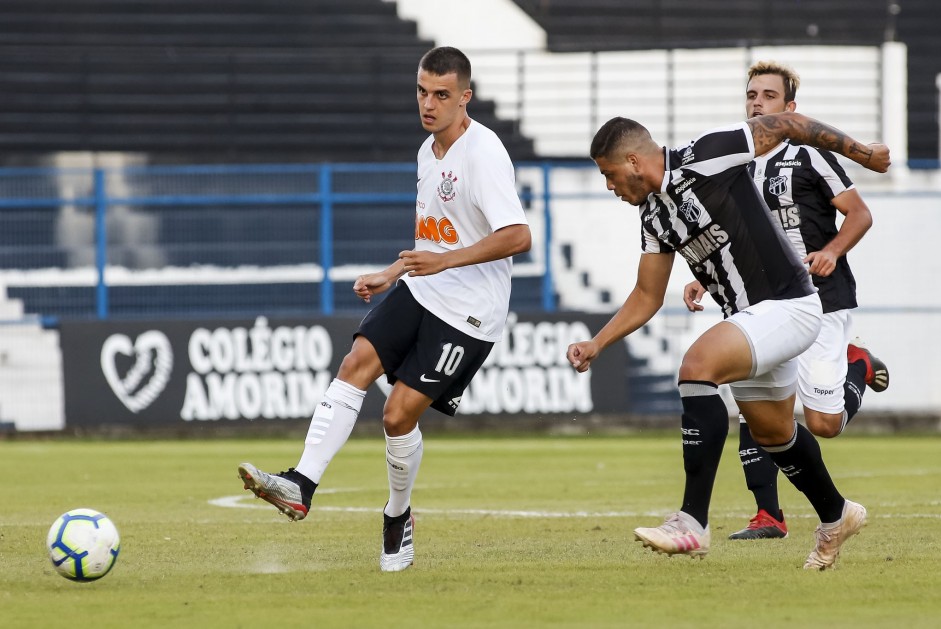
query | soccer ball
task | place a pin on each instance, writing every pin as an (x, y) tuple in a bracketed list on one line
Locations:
[(83, 544)]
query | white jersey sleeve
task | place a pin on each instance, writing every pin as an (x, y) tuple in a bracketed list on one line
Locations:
[(493, 184)]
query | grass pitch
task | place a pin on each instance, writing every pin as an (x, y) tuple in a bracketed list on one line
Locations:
[(510, 532)]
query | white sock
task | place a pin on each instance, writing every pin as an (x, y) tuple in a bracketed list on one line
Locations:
[(330, 427), (843, 421), (403, 456)]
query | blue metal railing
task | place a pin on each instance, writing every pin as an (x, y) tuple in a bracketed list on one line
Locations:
[(96, 196)]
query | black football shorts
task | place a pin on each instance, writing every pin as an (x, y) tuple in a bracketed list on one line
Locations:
[(421, 350)]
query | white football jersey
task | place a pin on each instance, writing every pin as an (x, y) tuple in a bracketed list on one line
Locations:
[(462, 198)]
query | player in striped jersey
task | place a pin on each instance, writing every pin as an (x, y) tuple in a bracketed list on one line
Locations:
[(804, 188), (699, 200)]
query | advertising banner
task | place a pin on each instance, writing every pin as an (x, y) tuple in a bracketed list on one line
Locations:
[(165, 373)]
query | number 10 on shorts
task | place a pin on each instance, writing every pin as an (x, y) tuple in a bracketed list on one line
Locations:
[(451, 356)]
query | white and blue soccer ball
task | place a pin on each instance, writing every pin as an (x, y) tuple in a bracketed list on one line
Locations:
[(83, 544)]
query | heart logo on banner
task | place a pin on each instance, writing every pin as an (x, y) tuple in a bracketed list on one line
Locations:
[(153, 357)]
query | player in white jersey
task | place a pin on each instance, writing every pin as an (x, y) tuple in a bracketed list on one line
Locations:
[(700, 201), (805, 188), (446, 306)]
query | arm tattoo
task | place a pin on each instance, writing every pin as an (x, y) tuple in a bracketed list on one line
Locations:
[(769, 131), (864, 153)]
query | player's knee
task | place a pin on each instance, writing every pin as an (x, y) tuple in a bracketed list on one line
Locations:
[(397, 424), (695, 368), (765, 436), (823, 425), (351, 363), (360, 368)]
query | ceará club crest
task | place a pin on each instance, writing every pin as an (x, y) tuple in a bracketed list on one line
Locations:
[(446, 189)]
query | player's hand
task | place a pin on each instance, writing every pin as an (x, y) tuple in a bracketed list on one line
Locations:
[(692, 295), (422, 262), (879, 159), (821, 263), (371, 284), (581, 354)]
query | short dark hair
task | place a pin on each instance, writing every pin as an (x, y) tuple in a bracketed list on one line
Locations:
[(615, 134), (447, 60)]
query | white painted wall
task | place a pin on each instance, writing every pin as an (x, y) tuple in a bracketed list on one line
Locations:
[(860, 89), (562, 98), (477, 25), (31, 389)]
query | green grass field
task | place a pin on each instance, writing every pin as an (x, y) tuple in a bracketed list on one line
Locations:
[(510, 532)]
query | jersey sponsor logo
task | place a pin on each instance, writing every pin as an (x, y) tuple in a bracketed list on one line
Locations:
[(777, 185), (424, 378), (789, 216), (683, 186), (820, 391), (704, 245), (691, 211), (431, 228), (789, 163), (446, 189), (688, 156)]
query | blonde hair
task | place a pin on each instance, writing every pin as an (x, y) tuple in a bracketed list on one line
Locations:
[(791, 79)]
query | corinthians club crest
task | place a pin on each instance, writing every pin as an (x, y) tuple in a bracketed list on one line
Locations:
[(446, 189)]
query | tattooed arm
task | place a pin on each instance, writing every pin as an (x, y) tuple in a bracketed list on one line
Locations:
[(769, 130)]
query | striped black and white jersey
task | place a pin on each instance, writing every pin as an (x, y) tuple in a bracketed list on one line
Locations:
[(799, 183), (709, 211)]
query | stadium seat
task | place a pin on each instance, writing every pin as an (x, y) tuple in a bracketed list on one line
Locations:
[(186, 81)]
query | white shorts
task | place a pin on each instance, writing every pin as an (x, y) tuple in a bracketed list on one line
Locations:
[(778, 331), (821, 370)]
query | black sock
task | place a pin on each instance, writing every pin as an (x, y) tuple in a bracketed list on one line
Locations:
[(397, 519), (853, 388), (705, 427), (761, 474), (802, 463), (308, 487)]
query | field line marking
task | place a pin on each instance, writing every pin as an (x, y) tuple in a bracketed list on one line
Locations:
[(245, 501)]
